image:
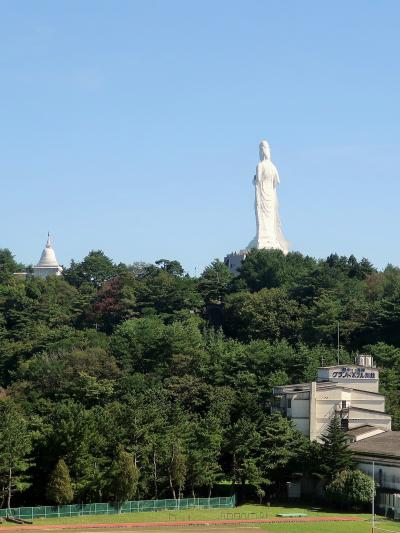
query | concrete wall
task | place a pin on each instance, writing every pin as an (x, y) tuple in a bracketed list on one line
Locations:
[(328, 402), (360, 418), (368, 401), (46, 272)]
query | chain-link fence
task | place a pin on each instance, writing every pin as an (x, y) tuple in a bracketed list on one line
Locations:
[(47, 511)]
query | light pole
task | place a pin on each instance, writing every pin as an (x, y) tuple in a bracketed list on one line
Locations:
[(373, 497)]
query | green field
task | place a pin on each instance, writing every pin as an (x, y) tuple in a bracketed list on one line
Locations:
[(333, 527), (242, 512)]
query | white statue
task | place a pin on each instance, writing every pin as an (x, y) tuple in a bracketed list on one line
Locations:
[(269, 231)]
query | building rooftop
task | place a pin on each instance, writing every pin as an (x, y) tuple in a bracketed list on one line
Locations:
[(345, 365), (356, 432), (385, 444), (321, 385)]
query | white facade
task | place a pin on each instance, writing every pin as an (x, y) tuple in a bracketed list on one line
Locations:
[(351, 392), (360, 376)]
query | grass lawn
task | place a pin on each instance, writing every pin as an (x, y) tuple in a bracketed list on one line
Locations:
[(333, 527), (242, 512)]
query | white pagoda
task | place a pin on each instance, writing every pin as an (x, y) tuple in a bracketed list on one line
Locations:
[(48, 264)]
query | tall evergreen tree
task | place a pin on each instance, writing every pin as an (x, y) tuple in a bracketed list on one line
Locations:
[(335, 452), (59, 488), (124, 476)]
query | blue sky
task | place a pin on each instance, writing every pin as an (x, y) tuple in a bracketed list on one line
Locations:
[(133, 127)]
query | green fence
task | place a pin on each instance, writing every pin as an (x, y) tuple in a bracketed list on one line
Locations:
[(84, 509)]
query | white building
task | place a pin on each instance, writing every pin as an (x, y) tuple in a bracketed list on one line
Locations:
[(349, 391), (48, 264), (352, 393)]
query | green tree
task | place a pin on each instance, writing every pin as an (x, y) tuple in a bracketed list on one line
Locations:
[(335, 452), (177, 469), (268, 269), (68, 430), (124, 476), (95, 268), (149, 345), (243, 446), (204, 452), (59, 488), (114, 303), (140, 345), (172, 267), (267, 314), (15, 446), (352, 487), (165, 292), (214, 282), (281, 444), (8, 265)]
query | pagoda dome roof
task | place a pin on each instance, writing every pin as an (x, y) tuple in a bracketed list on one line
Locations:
[(48, 257)]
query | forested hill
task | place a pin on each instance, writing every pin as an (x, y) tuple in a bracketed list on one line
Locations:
[(144, 369)]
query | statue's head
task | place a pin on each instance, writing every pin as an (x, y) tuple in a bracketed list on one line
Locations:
[(265, 151)]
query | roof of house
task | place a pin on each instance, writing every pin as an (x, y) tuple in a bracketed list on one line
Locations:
[(387, 443), (355, 432)]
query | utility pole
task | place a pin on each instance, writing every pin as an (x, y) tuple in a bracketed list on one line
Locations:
[(373, 497), (338, 343)]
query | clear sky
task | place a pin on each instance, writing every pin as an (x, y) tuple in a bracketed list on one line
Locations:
[(133, 126)]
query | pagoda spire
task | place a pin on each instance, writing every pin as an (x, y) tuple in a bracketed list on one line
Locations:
[(48, 264)]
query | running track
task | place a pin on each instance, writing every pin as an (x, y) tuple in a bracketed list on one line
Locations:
[(44, 527)]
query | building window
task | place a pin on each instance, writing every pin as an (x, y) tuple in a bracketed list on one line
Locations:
[(344, 404), (344, 424), (289, 403)]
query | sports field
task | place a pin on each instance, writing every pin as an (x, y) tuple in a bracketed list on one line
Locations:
[(241, 512), (244, 512), (271, 528)]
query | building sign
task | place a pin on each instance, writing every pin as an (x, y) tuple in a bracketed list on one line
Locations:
[(353, 373)]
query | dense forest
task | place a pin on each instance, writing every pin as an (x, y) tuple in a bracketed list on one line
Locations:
[(139, 381)]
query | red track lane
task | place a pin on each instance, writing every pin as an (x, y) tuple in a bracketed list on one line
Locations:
[(237, 522)]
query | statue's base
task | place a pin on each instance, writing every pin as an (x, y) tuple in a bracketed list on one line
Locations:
[(235, 259)]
